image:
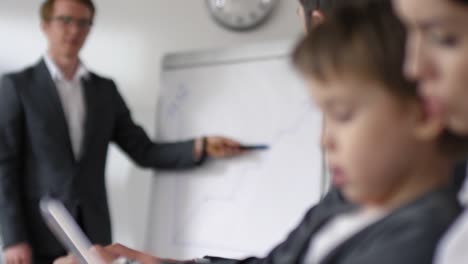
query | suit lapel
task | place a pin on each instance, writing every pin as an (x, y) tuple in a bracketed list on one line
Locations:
[(48, 94)]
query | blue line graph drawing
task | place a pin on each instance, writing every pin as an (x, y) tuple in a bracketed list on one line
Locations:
[(306, 110), (175, 103)]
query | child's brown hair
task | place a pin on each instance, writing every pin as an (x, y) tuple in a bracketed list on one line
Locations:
[(364, 39)]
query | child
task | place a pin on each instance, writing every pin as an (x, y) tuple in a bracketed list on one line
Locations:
[(385, 152), (389, 157)]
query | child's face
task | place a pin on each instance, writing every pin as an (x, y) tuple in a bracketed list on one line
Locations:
[(369, 140)]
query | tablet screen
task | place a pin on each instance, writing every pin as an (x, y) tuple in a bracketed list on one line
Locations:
[(67, 231)]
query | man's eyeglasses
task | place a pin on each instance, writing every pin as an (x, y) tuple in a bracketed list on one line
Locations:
[(82, 23)]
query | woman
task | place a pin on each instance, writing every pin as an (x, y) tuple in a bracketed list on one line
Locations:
[(437, 57)]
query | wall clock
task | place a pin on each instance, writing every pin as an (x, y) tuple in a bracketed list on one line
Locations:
[(241, 14)]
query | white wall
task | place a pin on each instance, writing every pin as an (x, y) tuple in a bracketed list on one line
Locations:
[(127, 43)]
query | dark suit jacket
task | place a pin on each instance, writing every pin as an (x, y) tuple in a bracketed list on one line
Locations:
[(408, 235), (36, 157)]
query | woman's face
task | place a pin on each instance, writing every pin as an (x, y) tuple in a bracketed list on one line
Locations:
[(437, 55)]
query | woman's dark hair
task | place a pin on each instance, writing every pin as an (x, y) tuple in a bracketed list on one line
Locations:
[(323, 5)]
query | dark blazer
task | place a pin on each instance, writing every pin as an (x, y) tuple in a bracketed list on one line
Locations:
[(409, 235), (36, 157)]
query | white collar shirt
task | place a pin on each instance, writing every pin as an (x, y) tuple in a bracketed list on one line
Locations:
[(71, 95)]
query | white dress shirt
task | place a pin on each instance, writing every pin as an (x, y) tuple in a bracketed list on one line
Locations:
[(452, 248), (72, 99)]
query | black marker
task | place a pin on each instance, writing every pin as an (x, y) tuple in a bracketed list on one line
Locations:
[(214, 259), (254, 147)]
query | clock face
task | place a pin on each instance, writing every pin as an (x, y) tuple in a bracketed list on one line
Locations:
[(240, 14)]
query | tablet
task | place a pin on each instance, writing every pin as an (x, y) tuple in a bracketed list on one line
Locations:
[(67, 231)]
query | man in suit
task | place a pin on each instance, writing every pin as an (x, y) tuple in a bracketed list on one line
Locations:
[(56, 122)]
